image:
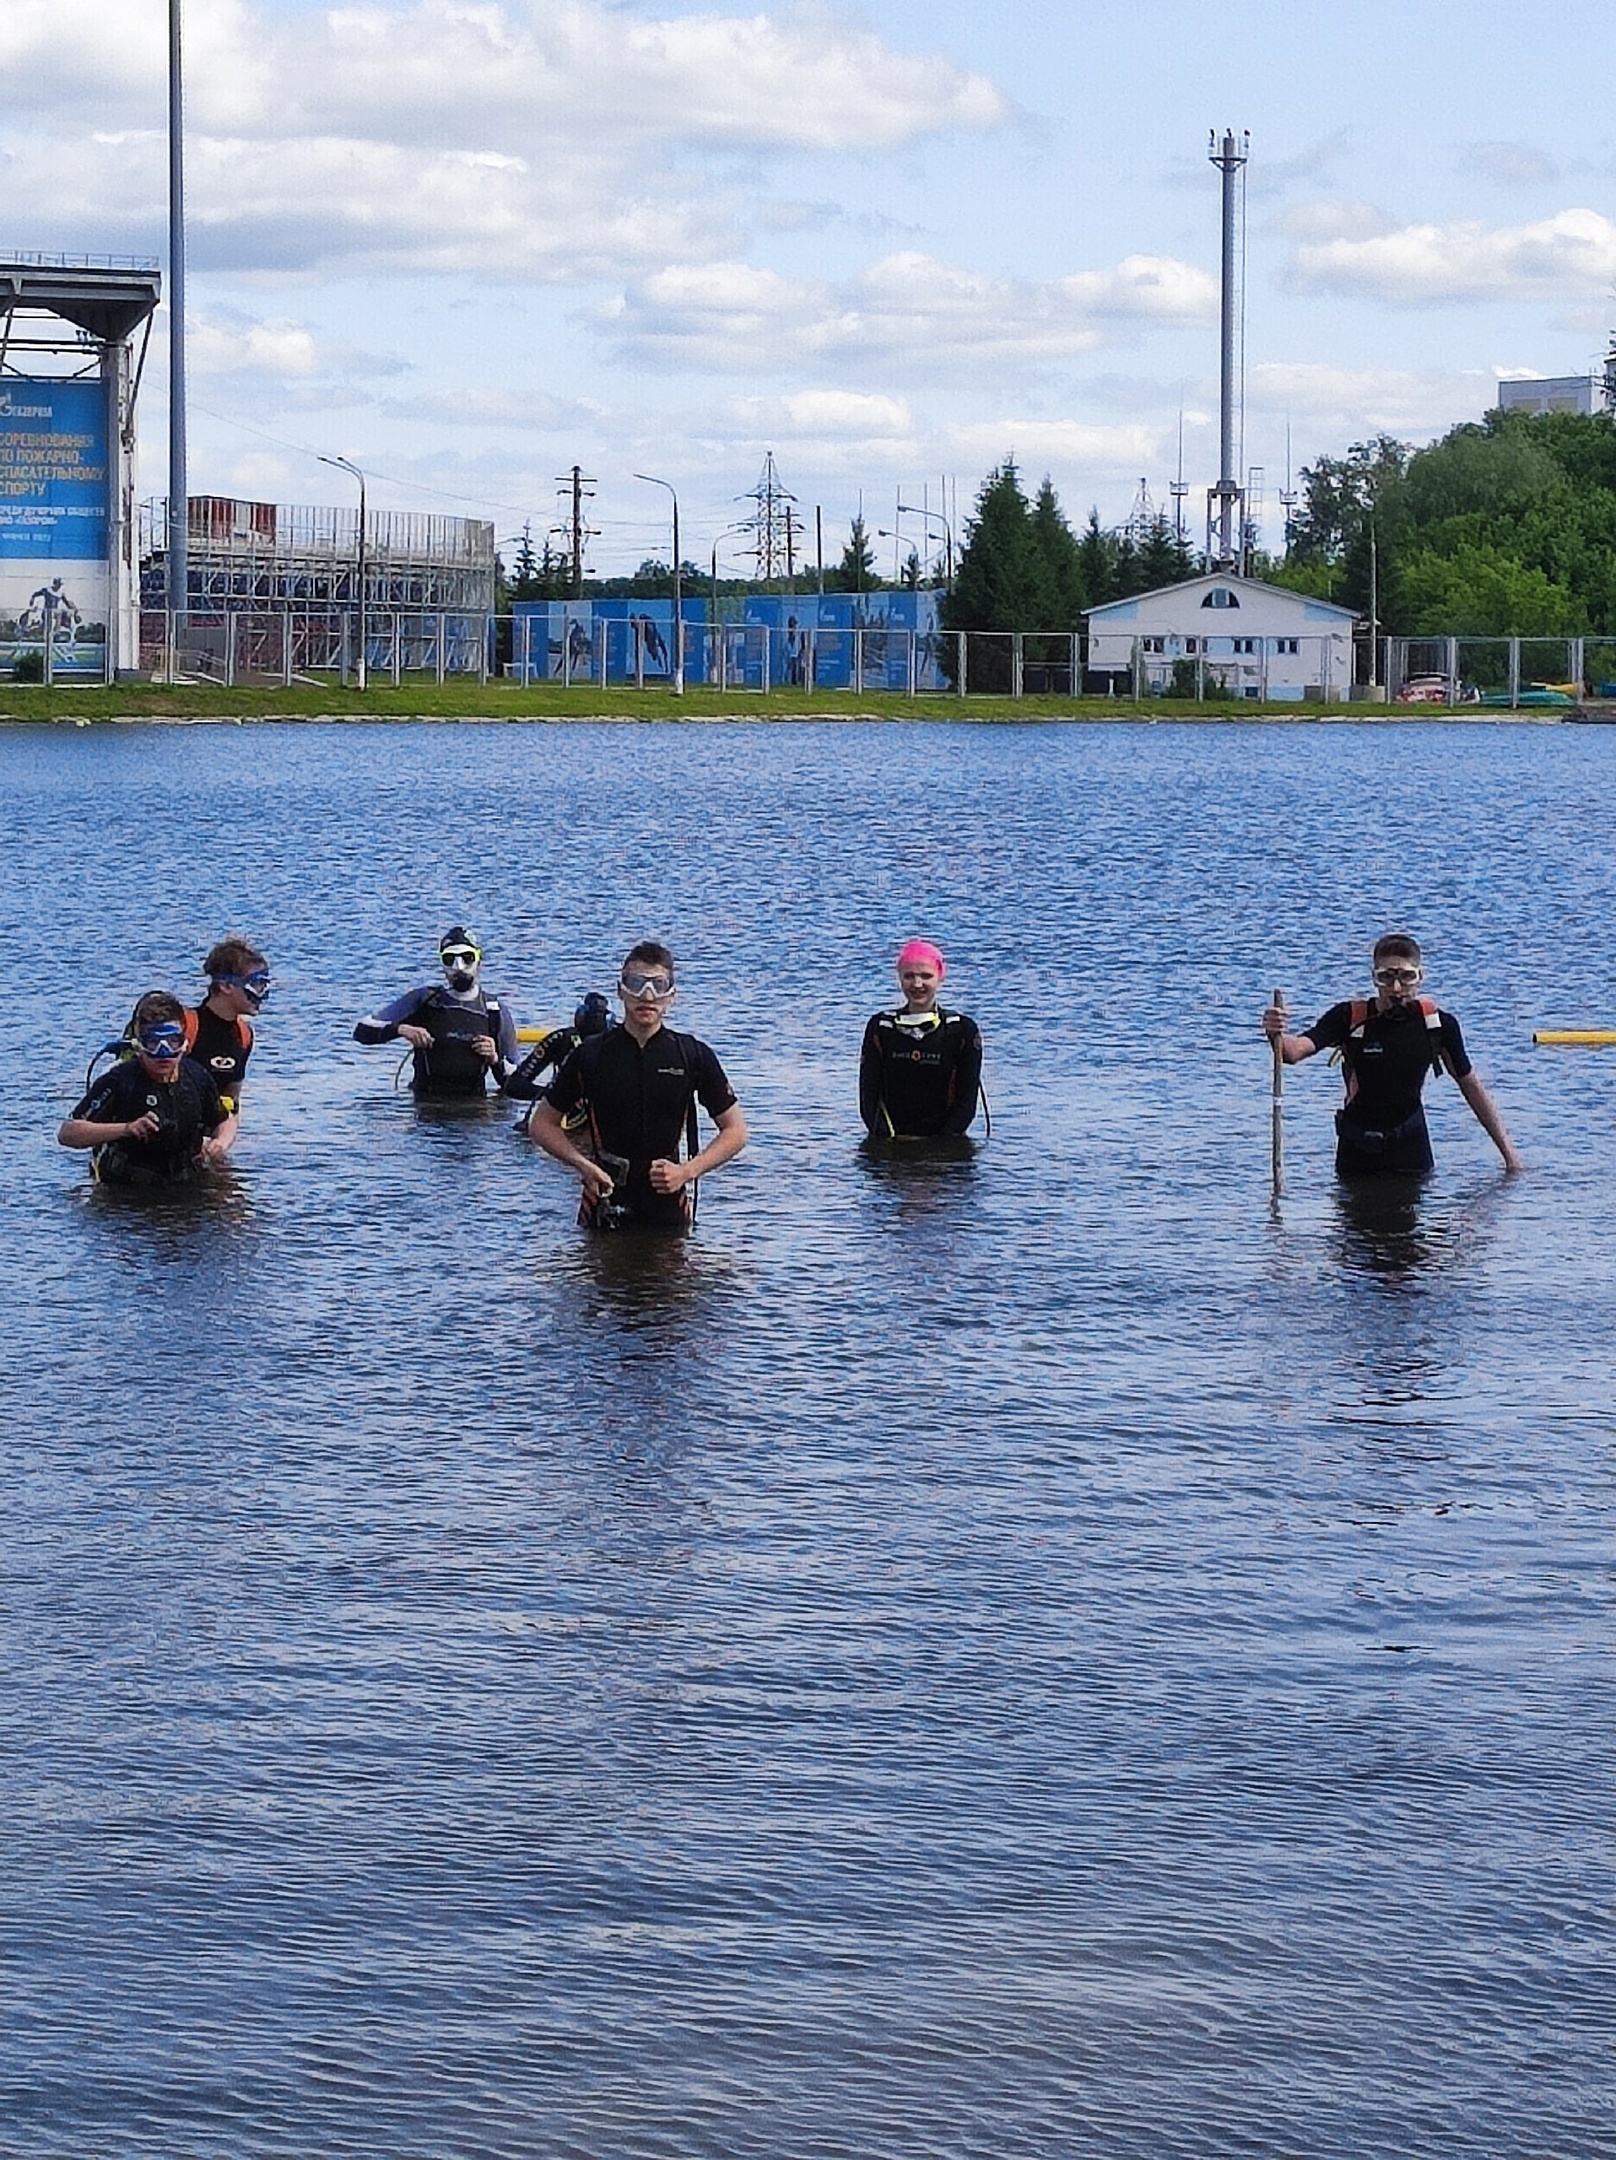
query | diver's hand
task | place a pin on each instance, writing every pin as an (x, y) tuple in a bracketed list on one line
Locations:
[(214, 1150), (145, 1127), (486, 1048), (598, 1181), (666, 1176), (418, 1038)]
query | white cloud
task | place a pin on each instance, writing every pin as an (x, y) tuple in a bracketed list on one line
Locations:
[(905, 309), (1511, 164), (492, 408), (1035, 444), (1563, 257), (839, 415), (550, 138), (273, 348), (1342, 402)]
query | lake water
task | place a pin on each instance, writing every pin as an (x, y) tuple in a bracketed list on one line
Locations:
[(1049, 1654)]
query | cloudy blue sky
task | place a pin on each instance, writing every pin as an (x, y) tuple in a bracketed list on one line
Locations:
[(468, 242)]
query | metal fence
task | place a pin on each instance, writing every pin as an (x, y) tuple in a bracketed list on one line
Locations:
[(287, 645), (1508, 672)]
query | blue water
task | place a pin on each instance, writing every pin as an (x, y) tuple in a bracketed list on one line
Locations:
[(1042, 1655)]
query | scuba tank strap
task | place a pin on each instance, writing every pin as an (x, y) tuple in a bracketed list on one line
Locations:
[(1433, 1022)]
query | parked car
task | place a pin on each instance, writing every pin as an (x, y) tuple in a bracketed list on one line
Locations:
[(1436, 690)]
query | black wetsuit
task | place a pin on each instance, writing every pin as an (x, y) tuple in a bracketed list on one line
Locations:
[(189, 1110), (221, 1046), (450, 1067), (1381, 1126), (640, 1104), (920, 1080)]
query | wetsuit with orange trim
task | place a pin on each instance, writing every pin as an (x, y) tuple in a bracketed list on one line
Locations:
[(1386, 1058), (221, 1046), (641, 1104)]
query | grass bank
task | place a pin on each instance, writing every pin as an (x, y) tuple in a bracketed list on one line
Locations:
[(505, 701)]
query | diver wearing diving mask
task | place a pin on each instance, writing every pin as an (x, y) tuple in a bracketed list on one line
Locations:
[(459, 1036)]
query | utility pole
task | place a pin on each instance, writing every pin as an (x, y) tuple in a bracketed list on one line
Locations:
[(582, 487), (1223, 502), (791, 554)]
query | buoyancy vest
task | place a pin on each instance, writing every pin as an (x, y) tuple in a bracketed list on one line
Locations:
[(905, 1038), (225, 1070), (1362, 1010), (453, 1026)]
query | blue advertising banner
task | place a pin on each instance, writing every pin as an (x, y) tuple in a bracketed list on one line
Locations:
[(55, 576), (53, 471), (777, 641)]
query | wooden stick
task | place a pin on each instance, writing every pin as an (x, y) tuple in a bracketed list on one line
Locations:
[(1279, 1102)]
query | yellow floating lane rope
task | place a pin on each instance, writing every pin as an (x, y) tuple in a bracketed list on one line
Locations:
[(537, 1035), (1591, 1038)]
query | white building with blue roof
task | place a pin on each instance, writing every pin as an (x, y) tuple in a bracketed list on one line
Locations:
[(1243, 639)]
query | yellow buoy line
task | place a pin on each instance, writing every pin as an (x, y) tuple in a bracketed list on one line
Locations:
[(1589, 1038)]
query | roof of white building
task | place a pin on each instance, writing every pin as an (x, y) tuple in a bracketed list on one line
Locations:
[(1210, 578)]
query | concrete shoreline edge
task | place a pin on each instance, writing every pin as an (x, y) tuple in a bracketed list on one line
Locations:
[(203, 708)]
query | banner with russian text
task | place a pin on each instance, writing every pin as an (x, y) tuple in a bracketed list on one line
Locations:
[(54, 492)]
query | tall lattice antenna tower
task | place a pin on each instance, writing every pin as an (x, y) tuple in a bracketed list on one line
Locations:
[(771, 523), (1142, 517), (1610, 376)]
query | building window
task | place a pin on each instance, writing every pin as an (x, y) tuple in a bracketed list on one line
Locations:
[(1287, 645), (1243, 644), (1220, 596), (1192, 645), (1151, 644)]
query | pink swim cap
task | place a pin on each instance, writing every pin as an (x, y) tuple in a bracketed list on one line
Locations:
[(917, 953)]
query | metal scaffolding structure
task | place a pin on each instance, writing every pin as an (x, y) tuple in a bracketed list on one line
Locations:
[(246, 556)]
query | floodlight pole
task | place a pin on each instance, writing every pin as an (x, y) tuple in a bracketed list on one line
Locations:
[(935, 517), (178, 479), (348, 466), (1229, 157), (678, 618)]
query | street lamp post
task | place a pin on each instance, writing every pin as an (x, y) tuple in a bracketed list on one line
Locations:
[(651, 480), (348, 466), (933, 517), (717, 631)]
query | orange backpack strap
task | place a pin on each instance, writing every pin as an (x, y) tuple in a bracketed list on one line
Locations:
[(191, 1022), (1433, 1021)]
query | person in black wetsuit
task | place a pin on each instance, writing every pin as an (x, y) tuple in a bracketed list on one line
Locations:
[(1389, 1045), (638, 1085), (920, 1068), (219, 1031), (154, 1118), (461, 1038), (592, 1016)]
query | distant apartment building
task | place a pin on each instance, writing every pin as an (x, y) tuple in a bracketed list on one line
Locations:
[(1554, 393)]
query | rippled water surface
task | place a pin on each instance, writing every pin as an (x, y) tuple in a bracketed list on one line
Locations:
[(1041, 1655)]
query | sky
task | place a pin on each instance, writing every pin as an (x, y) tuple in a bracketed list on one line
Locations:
[(470, 243)]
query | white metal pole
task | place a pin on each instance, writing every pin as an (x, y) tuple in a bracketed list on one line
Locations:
[(178, 480), (678, 613)]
